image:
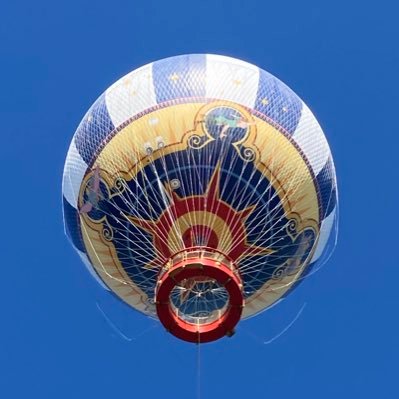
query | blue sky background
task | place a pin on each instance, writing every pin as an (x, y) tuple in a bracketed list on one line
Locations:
[(56, 58)]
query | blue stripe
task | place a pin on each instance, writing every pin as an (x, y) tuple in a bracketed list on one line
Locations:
[(93, 130), (278, 102), (327, 189), (72, 225), (179, 77)]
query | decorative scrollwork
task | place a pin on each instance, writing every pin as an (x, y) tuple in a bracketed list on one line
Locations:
[(150, 301), (280, 272), (292, 226), (246, 153), (107, 232), (120, 184), (150, 305), (195, 141)]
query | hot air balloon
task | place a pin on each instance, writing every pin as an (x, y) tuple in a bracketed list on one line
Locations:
[(200, 190)]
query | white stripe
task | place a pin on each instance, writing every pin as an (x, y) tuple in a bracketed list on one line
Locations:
[(325, 230), (310, 138), (90, 268), (232, 80), (131, 95), (74, 171)]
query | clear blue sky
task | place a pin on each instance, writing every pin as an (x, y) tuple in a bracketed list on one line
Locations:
[(56, 58)]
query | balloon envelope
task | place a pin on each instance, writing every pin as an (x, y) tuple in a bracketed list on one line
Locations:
[(203, 156)]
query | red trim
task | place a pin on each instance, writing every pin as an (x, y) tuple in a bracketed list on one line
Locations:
[(192, 268)]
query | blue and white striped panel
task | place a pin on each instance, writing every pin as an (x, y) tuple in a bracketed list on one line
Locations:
[(186, 76), (131, 95), (328, 195), (327, 186), (72, 230), (313, 144), (179, 77), (93, 131), (72, 225), (74, 171), (232, 80), (310, 138), (326, 228), (278, 102)]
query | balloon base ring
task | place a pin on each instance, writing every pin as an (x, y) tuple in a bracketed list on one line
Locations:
[(181, 274)]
